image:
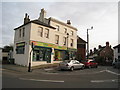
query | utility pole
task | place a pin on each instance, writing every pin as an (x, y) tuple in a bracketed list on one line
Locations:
[(88, 42), (67, 44), (29, 67)]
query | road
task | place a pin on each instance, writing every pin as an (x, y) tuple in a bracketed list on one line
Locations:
[(101, 77)]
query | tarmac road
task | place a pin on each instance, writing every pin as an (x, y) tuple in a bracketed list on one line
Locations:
[(101, 77)]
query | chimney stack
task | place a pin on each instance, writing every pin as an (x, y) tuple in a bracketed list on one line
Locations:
[(68, 22), (99, 47), (107, 43), (42, 15), (95, 49), (26, 19)]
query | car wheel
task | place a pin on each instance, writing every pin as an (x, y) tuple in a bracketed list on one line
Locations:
[(89, 67), (96, 66), (72, 68), (83, 67)]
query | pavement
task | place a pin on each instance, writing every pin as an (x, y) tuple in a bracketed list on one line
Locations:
[(18, 68)]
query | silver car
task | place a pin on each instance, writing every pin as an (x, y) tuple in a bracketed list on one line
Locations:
[(71, 65)]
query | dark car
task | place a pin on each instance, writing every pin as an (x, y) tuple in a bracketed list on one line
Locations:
[(116, 64), (90, 63)]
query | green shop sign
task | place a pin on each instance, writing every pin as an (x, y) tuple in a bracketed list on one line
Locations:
[(50, 45)]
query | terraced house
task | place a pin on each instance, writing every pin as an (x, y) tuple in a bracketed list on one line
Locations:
[(53, 41)]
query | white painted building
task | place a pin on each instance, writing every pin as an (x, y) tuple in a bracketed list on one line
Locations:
[(117, 52), (0, 54), (52, 39)]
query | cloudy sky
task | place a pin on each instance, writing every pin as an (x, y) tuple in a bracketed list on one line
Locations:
[(103, 16)]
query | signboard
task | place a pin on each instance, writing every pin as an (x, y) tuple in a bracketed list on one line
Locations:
[(50, 45)]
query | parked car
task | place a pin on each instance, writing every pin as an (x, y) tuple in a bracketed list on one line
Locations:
[(71, 65), (90, 63), (116, 64)]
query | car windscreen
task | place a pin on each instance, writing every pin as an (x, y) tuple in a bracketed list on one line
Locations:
[(67, 61)]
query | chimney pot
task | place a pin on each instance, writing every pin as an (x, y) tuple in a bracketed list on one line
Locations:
[(68, 22)]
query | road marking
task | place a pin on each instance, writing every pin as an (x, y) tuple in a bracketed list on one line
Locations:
[(100, 81), (112, 72), (57, 81)]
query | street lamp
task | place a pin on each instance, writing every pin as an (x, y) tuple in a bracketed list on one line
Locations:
[(67, 44), (88, 41)]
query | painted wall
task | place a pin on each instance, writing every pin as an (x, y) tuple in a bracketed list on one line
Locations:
[(62, 34), (22, 59), (116, 54), (0, 54)]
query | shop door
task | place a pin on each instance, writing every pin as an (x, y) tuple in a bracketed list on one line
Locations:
[(48, 55)]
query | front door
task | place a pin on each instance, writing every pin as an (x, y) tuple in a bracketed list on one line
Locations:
[(48, 55)]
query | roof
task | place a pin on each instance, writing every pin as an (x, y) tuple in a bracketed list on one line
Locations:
[(80, 40), (36, 21), (117, 46), (60, 22)]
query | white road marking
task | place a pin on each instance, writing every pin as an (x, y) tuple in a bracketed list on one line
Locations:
[(100, 81), (57, 81), (112, 72)]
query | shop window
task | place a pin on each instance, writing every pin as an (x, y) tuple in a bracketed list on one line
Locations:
[(47, 33), (20, 48), (56, 39), (40, 31), (42, 54)]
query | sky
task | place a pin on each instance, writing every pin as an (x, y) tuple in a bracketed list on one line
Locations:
[(103, 16)]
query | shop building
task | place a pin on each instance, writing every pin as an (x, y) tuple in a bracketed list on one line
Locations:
[(53, 41)]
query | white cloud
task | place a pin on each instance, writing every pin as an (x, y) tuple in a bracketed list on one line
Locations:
[(101, 15)]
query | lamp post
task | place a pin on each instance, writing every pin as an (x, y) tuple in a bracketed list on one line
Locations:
[(88, 42), (67, 44)]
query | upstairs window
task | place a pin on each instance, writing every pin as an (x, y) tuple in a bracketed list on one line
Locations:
[(118, 49), (56, 39), (71, 44), (23, 32), (20, 33), (47, 33), (65, 30), (40, 31), (64, 40), (72, 33)]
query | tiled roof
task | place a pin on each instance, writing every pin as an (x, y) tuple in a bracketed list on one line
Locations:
[(37, 22), (80, 40), (117, 46)]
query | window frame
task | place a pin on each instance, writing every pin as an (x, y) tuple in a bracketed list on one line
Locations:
[(46, 33), (56, 39), (40, 31)]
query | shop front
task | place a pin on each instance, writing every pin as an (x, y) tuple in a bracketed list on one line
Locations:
[(42, 54), (50, 53)]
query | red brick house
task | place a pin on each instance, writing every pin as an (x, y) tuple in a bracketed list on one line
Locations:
[(81, 49), (103, 55)]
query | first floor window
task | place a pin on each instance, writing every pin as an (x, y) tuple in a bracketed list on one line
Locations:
[(71, 44), (64, 40), (47, 33), (40, 31), (56, 39)]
